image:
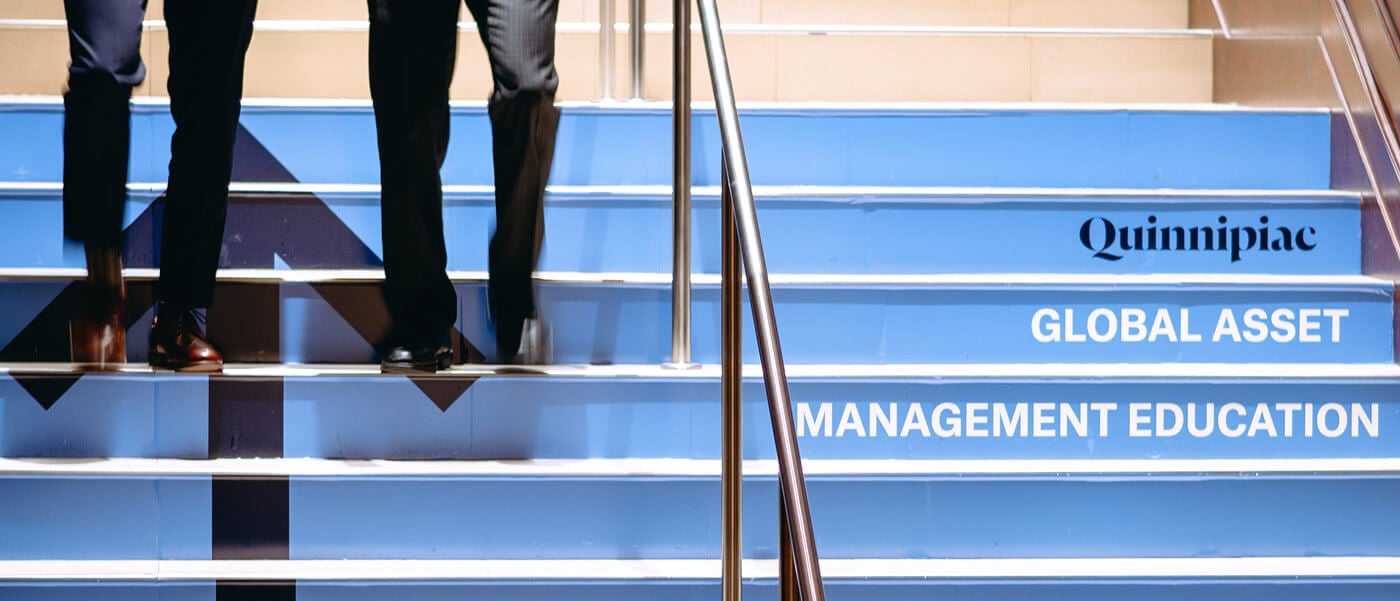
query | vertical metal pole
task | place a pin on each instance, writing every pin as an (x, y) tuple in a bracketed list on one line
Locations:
[(731, 393), (787, 566), (606, 18), (638, 31), (680, 191)]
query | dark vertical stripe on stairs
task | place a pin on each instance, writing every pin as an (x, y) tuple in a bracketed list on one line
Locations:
[(276, 590), (251, 518), (245, 417), (250, 514)]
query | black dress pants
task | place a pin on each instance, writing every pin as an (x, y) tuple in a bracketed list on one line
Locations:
[(413, 46), (208, 41)]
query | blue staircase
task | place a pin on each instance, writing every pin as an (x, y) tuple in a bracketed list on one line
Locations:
[(1090, 354)]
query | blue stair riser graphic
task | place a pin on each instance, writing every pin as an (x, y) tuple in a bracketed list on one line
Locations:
[(608, 323), (836, 234), (105, 518), (503, 417), (846, 589), (1137, 149), (676, 517)]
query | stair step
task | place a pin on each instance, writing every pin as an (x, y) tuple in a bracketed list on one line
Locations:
[(1174, 147), (621, 318), (310, 59), (855, 230), (1021, 415), (160, 509), (1088, 579), (583, 570), (990, 13)]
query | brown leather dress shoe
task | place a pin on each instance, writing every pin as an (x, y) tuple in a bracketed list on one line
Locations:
[(178, 342), (98, 329)]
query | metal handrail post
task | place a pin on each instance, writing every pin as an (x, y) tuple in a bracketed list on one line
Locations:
[(787, 569), (761, 303), (731, 394), (606, 18), (680, 190), (638, 31)]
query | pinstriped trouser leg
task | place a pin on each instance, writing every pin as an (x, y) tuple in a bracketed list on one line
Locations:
[(519, 39), (412, 49)]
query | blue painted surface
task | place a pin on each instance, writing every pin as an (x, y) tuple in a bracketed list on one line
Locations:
[(966, 323), (1252, 589), (574, 418), (109, 416), (503, 417), (836, 234), (1139, 149), (57, 517), (107, 591), (854, 517), (653, 517), (879, 590), (902, 234), (610, 323), (963, 324)]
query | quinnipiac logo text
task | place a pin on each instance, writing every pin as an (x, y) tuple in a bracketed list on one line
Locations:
[(1111, 242)]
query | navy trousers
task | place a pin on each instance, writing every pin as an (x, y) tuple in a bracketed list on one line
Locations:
[(413, 47), (208, 41)]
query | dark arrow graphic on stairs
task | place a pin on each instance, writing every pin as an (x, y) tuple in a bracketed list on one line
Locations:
[(46, 388), (443, 391), (245, 319)]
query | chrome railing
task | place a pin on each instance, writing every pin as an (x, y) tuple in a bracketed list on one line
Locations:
[(607, 55), (799, 570), (680, 186)]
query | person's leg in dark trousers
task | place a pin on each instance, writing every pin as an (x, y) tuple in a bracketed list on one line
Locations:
[(519, 39), (208, 41), (104, 40), (412, 49)]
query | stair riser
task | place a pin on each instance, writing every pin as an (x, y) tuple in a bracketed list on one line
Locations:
[(495, 417), (853, 234), (1147, 14), (669, 517), (703, 590), (607, 146), (606, 324)]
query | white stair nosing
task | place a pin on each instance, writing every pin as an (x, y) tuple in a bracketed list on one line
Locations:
[(655, 106), (800, 371), (1102, 372), (388, 571), (685, 468), (362, 25), (879, 193), (313, 276)]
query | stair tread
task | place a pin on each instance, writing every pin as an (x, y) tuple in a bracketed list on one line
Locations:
[(760, 191), (663, 569), (301, 467), (1063, 371), (776, 279)]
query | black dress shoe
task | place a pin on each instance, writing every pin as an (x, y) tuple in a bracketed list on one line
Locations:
[(178, 342), (404, 359), (536, 344)]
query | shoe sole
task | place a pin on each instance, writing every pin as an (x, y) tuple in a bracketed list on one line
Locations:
[(441, 363), (161, 362)]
